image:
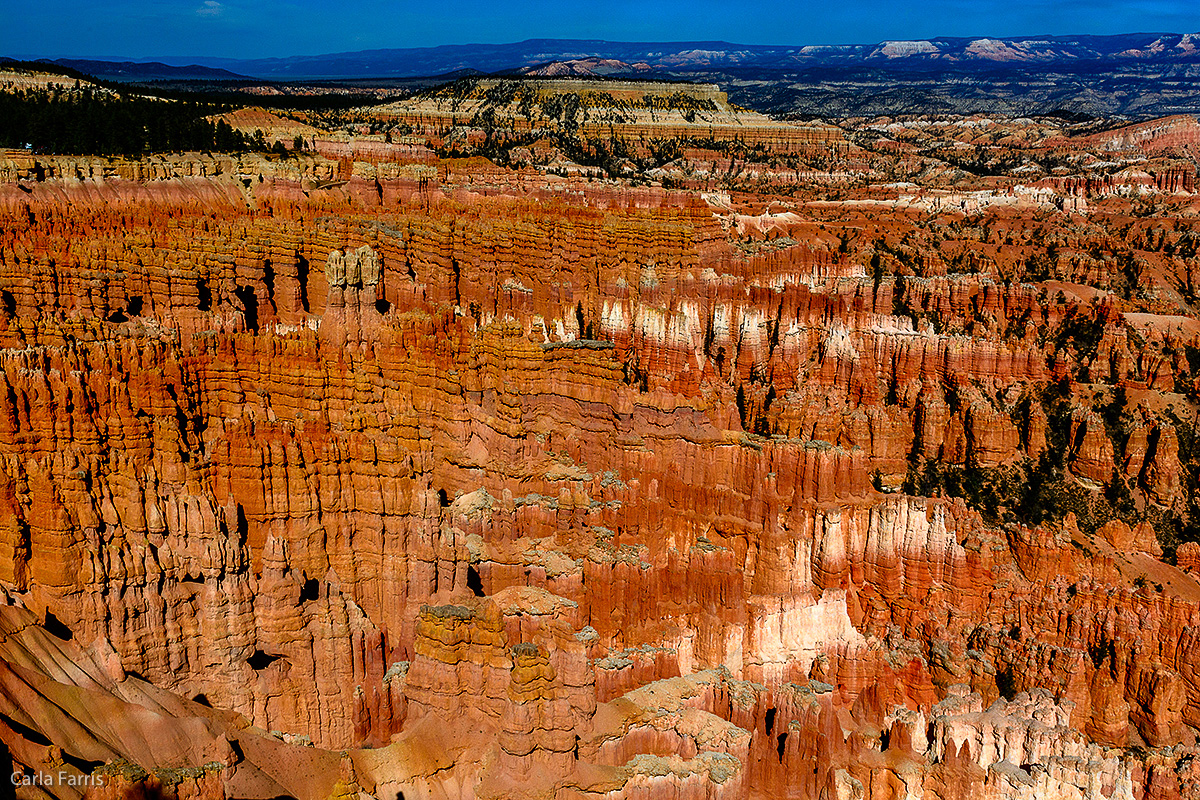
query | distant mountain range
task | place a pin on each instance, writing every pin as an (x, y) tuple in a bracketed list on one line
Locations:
[(146, 70), (1136, 74), (924, 54)]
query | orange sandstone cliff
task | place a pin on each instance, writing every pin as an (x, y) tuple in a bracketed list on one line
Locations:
[(324, 479)]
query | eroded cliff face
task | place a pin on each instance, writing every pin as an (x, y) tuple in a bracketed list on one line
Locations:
[(533, 488)]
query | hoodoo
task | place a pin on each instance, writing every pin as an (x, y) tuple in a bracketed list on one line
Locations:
[(580, 439)]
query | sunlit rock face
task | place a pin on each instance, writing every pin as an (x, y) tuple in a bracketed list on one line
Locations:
[(498, 484)]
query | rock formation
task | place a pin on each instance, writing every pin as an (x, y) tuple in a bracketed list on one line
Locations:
[(325, 479)]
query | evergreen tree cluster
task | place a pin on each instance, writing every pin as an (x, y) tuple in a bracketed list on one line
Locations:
[(90, 121)]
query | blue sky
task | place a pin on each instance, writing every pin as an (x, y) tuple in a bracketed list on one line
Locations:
[(264, 28)]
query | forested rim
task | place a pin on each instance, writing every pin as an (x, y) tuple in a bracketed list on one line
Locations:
[(85, 116), (93, 121)]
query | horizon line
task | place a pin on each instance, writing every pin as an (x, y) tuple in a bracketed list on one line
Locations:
[(333, 53)]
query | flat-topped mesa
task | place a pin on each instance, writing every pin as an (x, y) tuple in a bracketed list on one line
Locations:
[(595, 89), (639, 112)]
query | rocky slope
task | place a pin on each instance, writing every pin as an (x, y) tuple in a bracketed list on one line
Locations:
[(332, 477)]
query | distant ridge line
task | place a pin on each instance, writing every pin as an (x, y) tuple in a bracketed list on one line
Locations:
[(952, 52)]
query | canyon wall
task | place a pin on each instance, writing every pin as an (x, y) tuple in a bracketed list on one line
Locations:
[(553, 490)]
